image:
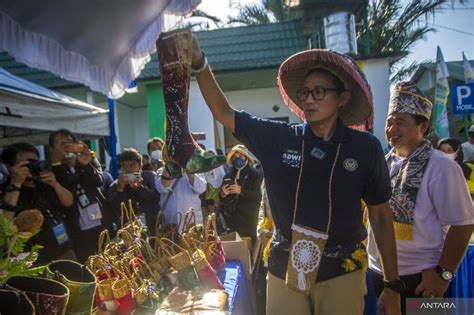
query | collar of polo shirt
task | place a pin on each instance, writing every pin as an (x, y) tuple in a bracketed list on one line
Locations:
[(339, 135)]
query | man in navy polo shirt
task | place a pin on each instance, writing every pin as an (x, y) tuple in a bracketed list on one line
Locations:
[(316, 174)]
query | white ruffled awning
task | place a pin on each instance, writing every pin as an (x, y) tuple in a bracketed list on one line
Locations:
[(103, 44), (29, 112)]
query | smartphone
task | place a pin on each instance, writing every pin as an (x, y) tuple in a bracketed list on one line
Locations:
[(75, 147), (228, 181)]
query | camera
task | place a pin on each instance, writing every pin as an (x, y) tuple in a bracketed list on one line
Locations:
[(38, 166), (133, 177)]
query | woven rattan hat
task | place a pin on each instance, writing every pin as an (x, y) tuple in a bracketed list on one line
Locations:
[(294, 70)]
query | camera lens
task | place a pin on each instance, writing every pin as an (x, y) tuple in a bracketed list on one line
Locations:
[(45, 166)]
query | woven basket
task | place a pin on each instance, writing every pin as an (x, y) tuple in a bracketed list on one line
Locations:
[(213, 245)]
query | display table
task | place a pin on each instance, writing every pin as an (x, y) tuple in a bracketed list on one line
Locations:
[(463, 284), (235, 283), (370, 299)]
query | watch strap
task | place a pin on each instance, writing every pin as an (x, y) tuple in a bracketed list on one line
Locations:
[(395, 285), (440, 270), (12, 188)]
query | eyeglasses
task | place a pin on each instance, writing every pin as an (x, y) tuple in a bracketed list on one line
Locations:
[(318, 93)]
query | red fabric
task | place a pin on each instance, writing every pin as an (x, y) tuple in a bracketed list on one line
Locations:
[(209, 279), (104, 275), (98, 301), (217, 262), (125, 305)]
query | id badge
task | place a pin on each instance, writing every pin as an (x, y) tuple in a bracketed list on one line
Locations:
[(60, 234), (143, 219), (84, 201), (93, 212)]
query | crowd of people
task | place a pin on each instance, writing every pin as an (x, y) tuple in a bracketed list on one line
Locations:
[(78, 199), (320, 178)]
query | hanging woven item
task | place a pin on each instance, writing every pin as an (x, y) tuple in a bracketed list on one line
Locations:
[(307, 247), (181, 150), (79, 280), (307, 244)]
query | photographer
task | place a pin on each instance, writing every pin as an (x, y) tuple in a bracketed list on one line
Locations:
[(76, 169), (240, 193), (133, 184), (33, 185)]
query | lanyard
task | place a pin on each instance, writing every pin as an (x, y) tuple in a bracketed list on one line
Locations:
[(330, 185)]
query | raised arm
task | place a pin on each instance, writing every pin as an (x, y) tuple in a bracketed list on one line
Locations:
[(211, 91)]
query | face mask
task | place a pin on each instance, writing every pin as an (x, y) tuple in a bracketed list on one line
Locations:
[(69, 156), (452, 156), (156, 155), (239, 163)]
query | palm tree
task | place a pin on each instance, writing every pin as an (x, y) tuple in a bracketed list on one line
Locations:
[(265, 12), (199, 20), (392, 27)]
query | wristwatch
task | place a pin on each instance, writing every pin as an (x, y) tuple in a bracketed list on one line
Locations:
[(12, 188), (444, 274), (395, 285)]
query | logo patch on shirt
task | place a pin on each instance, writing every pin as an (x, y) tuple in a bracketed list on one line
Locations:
[(350, 164), (292, 158)]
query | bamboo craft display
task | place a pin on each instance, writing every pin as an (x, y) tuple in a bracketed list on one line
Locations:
[(213, 246), (135, 272), (181, 261), (133, 224), (207, 274), (79, 280), (168, 230)]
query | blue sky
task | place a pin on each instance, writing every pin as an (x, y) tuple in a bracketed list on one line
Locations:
[(452, 43)]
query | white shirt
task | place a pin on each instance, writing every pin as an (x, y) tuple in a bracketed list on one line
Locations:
[(468, 151), (443, 200), (215, 177), (182, 196)]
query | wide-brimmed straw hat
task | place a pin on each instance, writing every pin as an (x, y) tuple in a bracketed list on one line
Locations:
[(293, 72), (242, 150)]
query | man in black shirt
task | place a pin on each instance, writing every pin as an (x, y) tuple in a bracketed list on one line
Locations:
[(316, 174), (137, 186), (75, 169), (43, 192)]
